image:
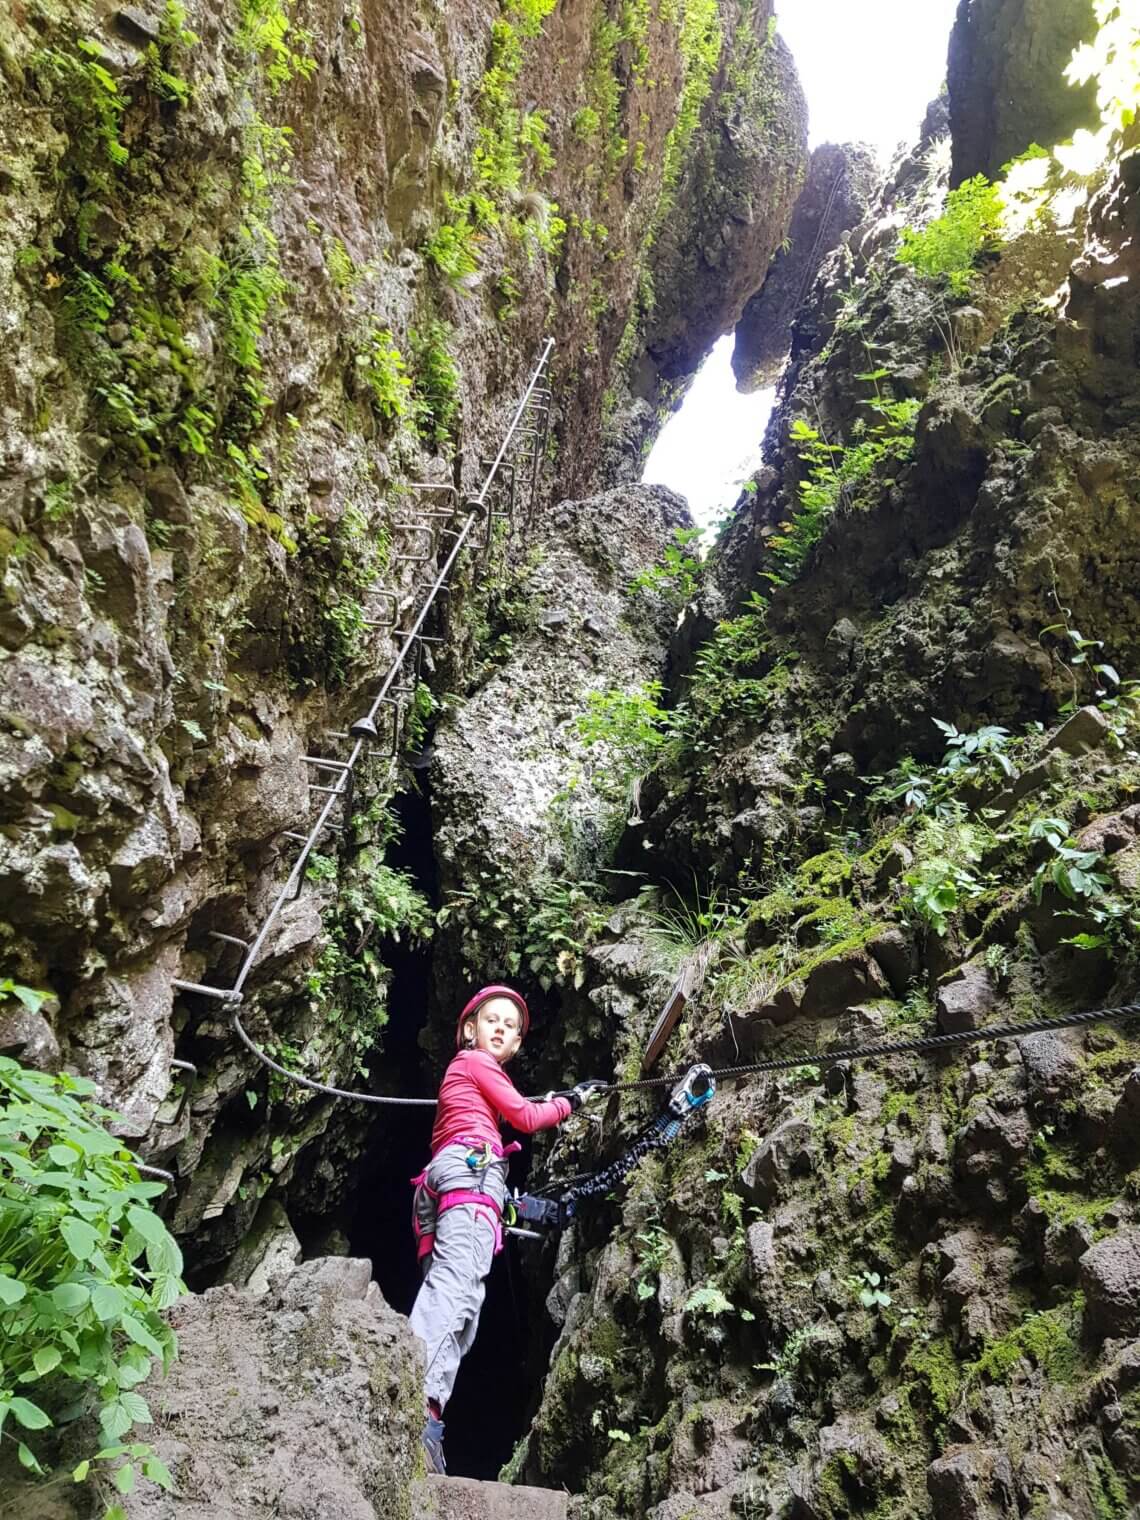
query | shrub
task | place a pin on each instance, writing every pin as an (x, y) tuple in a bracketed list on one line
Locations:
[(949, 245), (85, 1270)]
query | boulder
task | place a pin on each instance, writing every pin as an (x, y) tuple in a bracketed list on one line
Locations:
[(1087, 729), (966, 1002), (973, 1483), (787, 1152), (268, 1253), (1110, 1277), (307, 1404), (1052, 1066)]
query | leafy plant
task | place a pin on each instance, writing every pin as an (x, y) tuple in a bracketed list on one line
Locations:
[(974, 752), (870, 1289), (86, 1269), (266, 27), (836, 472), (630, 726), (787, 1361), (435, 384), (30, 997), (381, 365), (943, 879), (710, 1300), (453, 248), (949, 245), (677, 574)]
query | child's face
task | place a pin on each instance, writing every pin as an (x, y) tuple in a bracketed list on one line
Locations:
[(496, 1028)]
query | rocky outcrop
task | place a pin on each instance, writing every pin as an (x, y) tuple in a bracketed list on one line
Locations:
[(307, 1403), (1004, 76), (527, 803), (841, 182), (733, 205)]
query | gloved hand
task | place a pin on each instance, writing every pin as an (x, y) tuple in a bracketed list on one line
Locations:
[(584, 1092)]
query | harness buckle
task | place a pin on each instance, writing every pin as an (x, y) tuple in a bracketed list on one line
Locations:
[(696, 1088)]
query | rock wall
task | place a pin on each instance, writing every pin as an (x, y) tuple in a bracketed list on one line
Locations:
[(262, 267), (1005, 77), (841, 182)]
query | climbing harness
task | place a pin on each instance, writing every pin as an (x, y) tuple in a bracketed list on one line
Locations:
[(693, 1092)]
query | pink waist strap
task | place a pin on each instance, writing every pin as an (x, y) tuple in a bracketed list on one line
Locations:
[(497, 1150)]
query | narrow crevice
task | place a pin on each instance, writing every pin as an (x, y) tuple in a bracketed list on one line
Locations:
[(497, 1385)]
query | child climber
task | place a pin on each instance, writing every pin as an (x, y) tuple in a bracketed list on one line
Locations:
[(458, 1205)]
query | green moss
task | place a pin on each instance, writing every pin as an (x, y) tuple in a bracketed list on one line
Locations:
[(829, 872), (1106, 1488), (1045, 1339), (936, 1369), (897, 1104), (856, 940)]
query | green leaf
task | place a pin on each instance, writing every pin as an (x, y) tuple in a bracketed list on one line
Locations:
[(11, 1291), (107, 1301), (46, 1359), (158, 1472), (79, 1473), (28, 1459), (114, 1419), (125, 1478), (30, 1415), (70, 1297), (80, 1238), (148, 1225), (139, 1333), (136, 1407)]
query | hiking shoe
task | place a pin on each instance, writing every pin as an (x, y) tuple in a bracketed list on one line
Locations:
[(432, 1439)]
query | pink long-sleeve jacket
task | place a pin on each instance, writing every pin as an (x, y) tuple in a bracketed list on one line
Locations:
[(475, 1093)]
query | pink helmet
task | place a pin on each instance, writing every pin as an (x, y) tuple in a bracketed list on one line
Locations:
[(481, 997)]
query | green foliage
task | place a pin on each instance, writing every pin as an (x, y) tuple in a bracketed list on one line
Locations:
[(266, 28), (1045, 1339), (977, 754), (651, 1248), (528, 15), (381, 365), (503, 929), (249, 288), (377, 902), (678, 572), (787, 1360), (949, 245), (29, 997), (700, 42), (710, 1300), (630, 724), (836, 474), (420, 710), (93, 104), (435, 384), (943, 880), (870, 1290), (86, 1269), (453, 247)]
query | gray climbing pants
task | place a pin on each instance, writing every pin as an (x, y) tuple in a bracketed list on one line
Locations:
[(445, 1315)]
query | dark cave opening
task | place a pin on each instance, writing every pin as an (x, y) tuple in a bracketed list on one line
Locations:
[(497, 1383)]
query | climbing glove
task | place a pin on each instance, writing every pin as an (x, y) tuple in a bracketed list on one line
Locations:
[(583, 1092)]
